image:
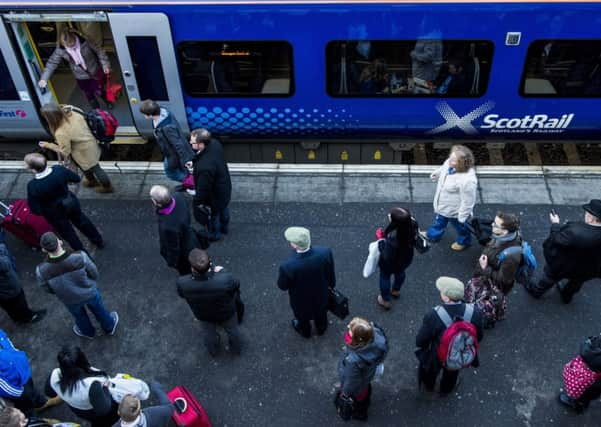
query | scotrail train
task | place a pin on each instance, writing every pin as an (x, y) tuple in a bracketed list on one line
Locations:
[(321, 70)]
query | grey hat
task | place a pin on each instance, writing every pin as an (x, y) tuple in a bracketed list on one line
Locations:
[(49, 241), (300, 236), (450, 287)]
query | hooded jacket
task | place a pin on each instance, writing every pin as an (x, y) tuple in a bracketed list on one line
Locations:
[(171, 140), (358, 366), (14, 369), (455, 195), (573, 250), (9, 280)]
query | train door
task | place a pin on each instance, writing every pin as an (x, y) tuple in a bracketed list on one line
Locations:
[(145, 50), (18, 112)]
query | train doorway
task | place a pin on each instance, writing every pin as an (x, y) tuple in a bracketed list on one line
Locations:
[(139, 49)]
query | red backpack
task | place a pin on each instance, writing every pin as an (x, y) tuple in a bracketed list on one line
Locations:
[(459, 343), (102, 124)]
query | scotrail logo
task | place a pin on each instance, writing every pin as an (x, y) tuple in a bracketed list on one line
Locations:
[(537, 123), (12, 114)]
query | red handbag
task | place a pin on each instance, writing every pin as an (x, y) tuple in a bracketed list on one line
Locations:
[(113, 90), (577, 377)]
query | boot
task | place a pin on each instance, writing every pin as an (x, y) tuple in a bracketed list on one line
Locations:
[(89, 182), (105, 188)]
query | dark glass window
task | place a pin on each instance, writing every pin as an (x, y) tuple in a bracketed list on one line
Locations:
[(385, 68), (237, 68), (146, 59), (562, 68), (8, 92)]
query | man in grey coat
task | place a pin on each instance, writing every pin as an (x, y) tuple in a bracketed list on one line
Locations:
[(132, 414), (72, 276)]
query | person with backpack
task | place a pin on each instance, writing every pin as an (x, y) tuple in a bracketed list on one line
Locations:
[(83, 388), (132, 414), (396, 245), (170, 139), (582, 376), (495, 272), (448, 337), (573, 252), (75, 142), (364, 353)]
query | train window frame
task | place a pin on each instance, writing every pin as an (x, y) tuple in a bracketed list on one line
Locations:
[(523, 77), (292, 88), (483, 93)]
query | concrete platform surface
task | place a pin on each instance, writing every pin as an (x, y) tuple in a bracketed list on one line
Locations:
[(283, 379)]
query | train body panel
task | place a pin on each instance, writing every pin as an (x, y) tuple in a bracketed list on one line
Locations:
[(313, 100)]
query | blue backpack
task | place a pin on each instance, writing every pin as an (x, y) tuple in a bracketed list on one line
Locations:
[(527, 265)]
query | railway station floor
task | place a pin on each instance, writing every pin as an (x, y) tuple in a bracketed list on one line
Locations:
[(282, 378)]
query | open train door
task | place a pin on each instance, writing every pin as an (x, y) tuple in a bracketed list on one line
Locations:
[(19, 117), (144, 46)]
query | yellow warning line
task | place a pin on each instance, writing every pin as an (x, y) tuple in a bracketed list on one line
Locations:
[(39, 59)]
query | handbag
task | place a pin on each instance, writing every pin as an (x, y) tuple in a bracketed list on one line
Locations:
[(123, 384), (338, 303), (113, 90), (373, 258), (420, 244), (344, 405)]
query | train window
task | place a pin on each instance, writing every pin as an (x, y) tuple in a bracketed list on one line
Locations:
[(146, 60), (562, 69), (236, 68), (8, 92), (391, 68)]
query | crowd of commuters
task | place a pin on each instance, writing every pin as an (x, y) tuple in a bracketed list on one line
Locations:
[(447, 340)]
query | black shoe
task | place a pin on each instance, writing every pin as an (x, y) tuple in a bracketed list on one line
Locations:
[(296, 326), (566, 400), (565, 297), (37, 316)]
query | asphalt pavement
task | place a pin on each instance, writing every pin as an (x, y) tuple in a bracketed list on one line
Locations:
[(284, 379)]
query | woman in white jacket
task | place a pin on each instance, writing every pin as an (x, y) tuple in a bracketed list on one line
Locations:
[(455, 196)]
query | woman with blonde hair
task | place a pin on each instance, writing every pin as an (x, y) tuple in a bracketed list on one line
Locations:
[(455, 196), (366, 348), (89, 63), (74, 138)]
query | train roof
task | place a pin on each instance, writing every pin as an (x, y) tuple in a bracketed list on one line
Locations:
[(88, 3)]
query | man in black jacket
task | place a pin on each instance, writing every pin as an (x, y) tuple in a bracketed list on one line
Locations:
[(176, 236), (170, 139), (573, 252), (430, 334), (214, 297), (48, 195), (212, 182)]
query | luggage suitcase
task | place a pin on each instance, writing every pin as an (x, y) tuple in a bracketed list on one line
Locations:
[(18, 219), (189, 412)]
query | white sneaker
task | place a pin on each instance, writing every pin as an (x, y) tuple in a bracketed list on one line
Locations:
[(191, 192)]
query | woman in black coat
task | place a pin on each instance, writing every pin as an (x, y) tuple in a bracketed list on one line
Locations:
[(396, 253)]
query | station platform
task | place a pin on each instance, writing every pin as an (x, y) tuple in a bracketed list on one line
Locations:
[(281, 378)]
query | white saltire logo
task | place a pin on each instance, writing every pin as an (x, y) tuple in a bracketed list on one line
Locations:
[(464, 123)]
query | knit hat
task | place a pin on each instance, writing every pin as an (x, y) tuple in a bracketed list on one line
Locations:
[(450, 287), (300, 236), (49, 241)]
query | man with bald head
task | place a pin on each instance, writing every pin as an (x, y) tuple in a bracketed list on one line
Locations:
[(176, 236)]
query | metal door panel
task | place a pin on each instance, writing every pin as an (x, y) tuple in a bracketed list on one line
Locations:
[(153, 74), (19, 118)]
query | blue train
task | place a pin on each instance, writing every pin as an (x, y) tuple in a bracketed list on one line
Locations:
[(321, 70)]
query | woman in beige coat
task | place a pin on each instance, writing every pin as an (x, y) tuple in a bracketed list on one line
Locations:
[(74, 138)]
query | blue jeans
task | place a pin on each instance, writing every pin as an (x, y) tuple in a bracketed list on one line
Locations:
[(174, 174), (218, 223), (437, 229), (96, 306), (399, 278)]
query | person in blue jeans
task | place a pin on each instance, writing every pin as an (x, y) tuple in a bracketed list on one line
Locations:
[(455, 197), (72, 276), (396, 245)]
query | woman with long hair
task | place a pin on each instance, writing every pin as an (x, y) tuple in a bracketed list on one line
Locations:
[(89, 63), (396, 245), (83, 387), (74, 138)]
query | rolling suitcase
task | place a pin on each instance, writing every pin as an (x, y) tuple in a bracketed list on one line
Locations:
[(18, 219), (188, 411)]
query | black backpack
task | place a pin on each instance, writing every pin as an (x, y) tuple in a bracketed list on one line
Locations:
[(102, 124)]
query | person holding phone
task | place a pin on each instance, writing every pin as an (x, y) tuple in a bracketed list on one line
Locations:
[(572, 252)]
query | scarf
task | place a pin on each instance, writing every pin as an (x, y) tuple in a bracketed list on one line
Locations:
[(168, 209), (75, 54), (506, 238)]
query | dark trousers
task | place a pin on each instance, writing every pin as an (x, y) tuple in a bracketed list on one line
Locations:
[(321, 324), (428, 373), (93, 88), (64, 223), (30, 399), (212, 338), (591, 393), (98, 174), (219, 223), (17, 308), (549, 279)]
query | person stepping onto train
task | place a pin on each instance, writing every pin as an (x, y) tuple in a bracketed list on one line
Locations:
[(76, 143), (455, 197)]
